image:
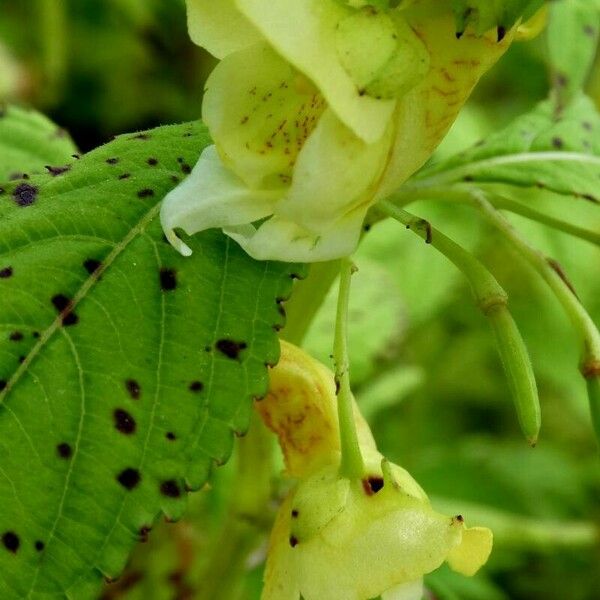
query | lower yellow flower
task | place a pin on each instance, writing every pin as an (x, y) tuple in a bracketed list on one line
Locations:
[(341, 539)]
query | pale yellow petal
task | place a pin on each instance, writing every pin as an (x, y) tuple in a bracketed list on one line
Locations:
[(211, 196), (473, 552), (335, 174), (219, 27), (304, 33), (284, 240), (426, 113), (281, 578), (405, 591), (301, 408), (260, 111)]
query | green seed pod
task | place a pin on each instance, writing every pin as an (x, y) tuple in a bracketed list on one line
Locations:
[(518, 369)]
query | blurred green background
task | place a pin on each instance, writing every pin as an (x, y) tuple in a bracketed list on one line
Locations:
[(425, 368)]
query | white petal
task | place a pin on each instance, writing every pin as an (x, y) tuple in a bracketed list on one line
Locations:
[(260, 111), (304, 32), (212, 197), (336, 172), (406, 591), (219, 26), (284, 240)]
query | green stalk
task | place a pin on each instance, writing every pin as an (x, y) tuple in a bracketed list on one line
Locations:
[(306, 300), (492, 300), (352, 465)]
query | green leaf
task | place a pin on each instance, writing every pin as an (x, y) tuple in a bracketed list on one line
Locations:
[(29, 142), (124, 367), (560, 154), (572, 43)]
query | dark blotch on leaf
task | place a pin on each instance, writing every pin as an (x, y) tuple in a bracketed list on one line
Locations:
[(6, 272), (39, 545), (152, 162), (124, 422), (56, 171), (15, 336), (557, 142), (3, 384), (25, 194), (168, 279), (11, 541), (145, 193), (112, 161), (196, 386), (63, 305), (293, 541), (64, 450), (125, 176), (129, 478), (230, 348), (133, 388), (170, 436), (91, 265), (170, 489)]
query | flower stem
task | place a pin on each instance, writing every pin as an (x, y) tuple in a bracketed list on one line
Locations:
[(352, 465), (492, 300)]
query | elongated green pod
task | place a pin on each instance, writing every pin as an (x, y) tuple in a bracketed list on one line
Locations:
[(519, 371), (492, 300)]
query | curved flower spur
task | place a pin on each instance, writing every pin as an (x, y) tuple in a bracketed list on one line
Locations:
[(320, 108)]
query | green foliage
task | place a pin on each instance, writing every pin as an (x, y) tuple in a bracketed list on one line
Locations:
[(124, 368), (572, 42), (29, 142), (559, 153)]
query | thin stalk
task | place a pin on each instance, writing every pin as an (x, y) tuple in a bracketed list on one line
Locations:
[(352, 465), (53, 26), (492, 300), (464, 195), (306, 300)]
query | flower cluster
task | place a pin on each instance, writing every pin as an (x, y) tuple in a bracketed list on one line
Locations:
[(319, 108), (340, 539)]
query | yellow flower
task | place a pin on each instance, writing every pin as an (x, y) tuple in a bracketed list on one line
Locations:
[(318, 109), (339, 539)]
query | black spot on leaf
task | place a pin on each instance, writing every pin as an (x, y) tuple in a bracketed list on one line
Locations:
[(230, 348), (56, 171), (112, 161), (170, 489), (15, 336), (129, 478), (3, 384), (152, 161), (39, 545), (63, 305), (11, 541), (124, 422), (170, 436), (196, 386), (125, 176), (145, 193), (6, 272), (64, 450), (133, 388), (168, 279), (91, 265), (25, 194)]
